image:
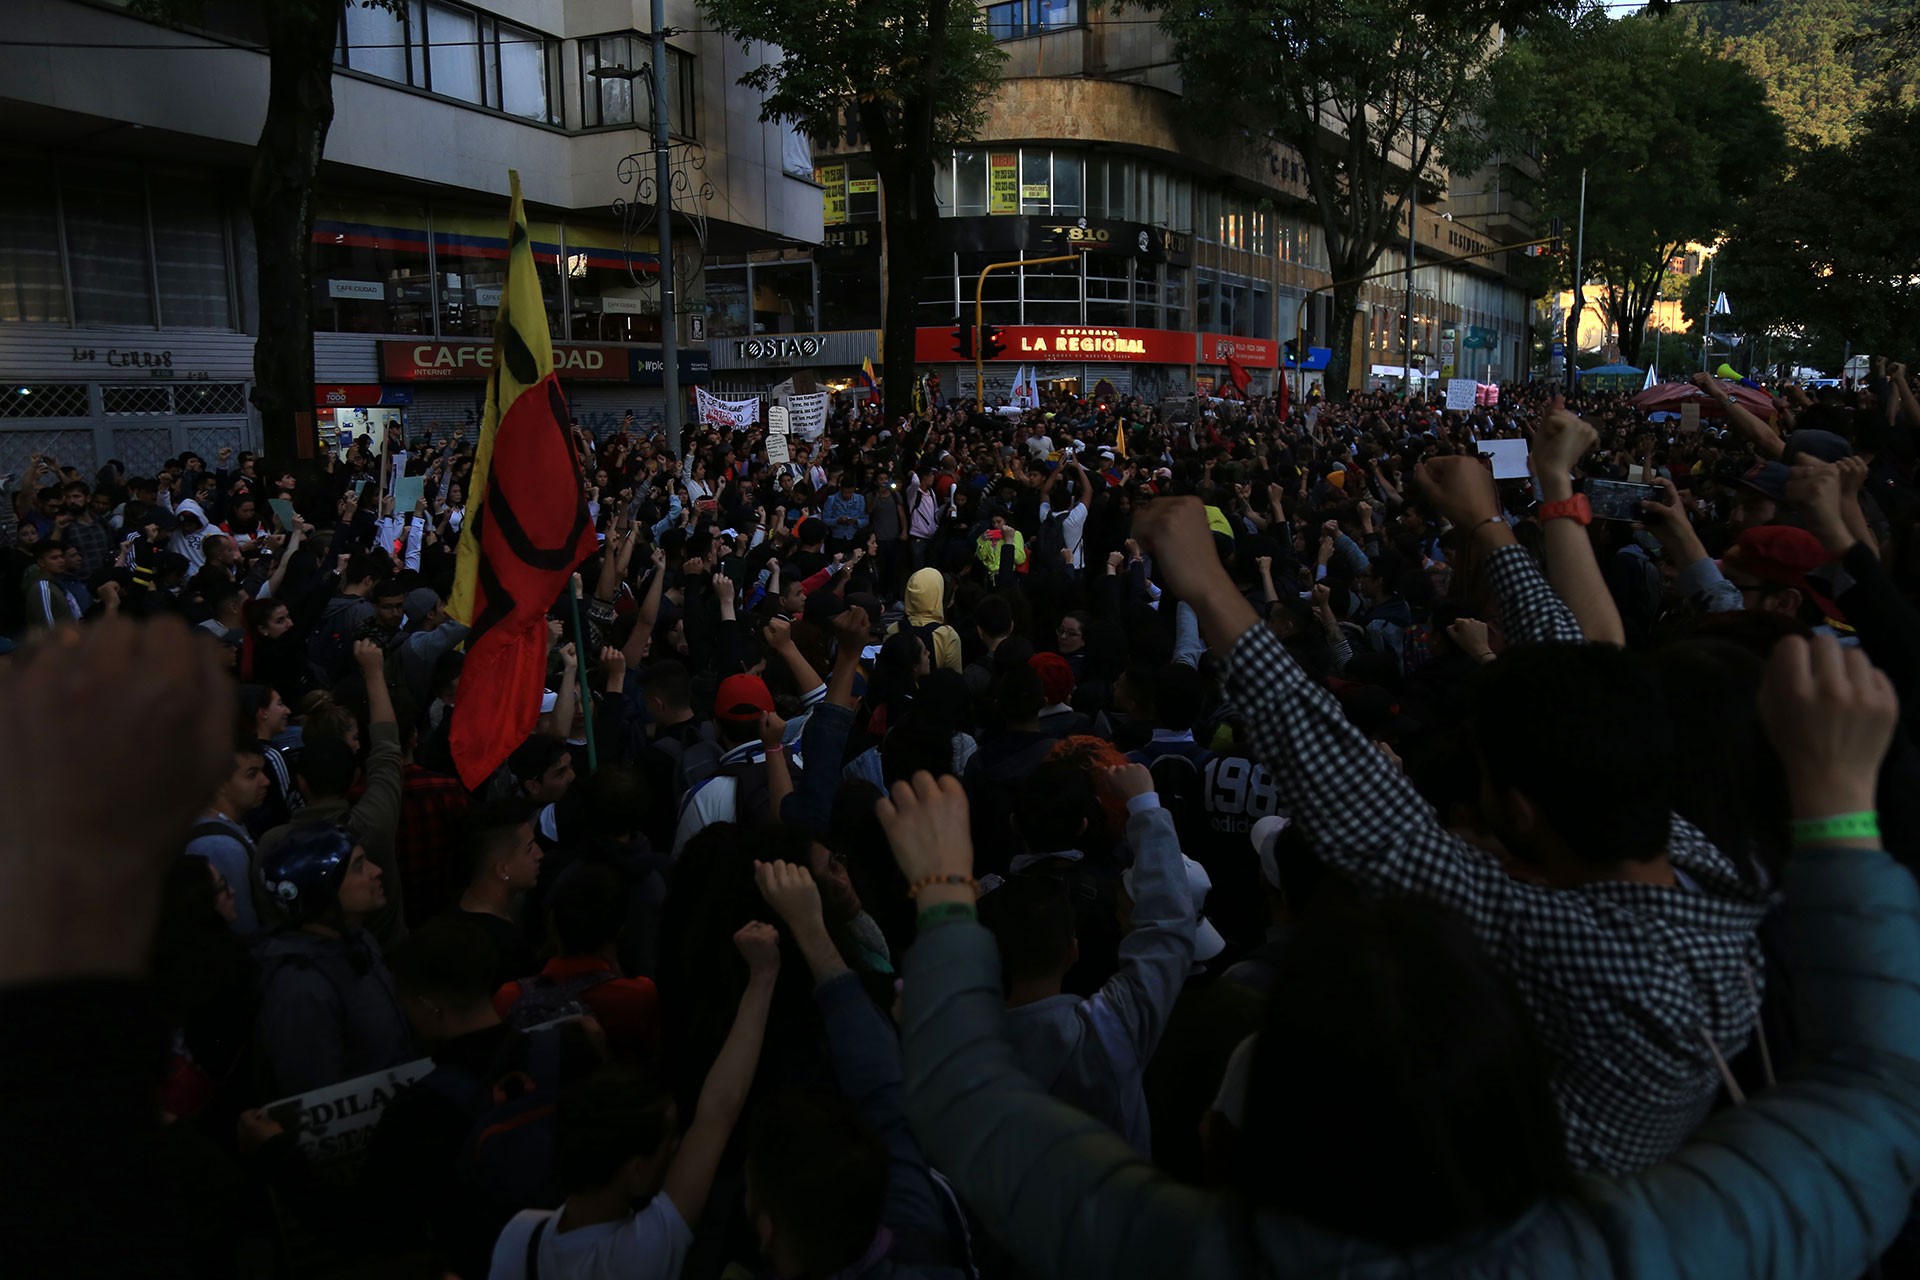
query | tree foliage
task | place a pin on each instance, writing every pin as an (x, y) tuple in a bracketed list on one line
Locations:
[(915, 75), (1828, 252), (1371, 93), (1671, 137), (1823, 64)]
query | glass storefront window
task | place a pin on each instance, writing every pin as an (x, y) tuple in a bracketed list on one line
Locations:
[(783, 297), (970, 183), (728, 315), (370, 271), (607, 302), (470, 257), (1174, 297), (1068, 193), (1036, 180), (1052, 293), (1120, 189), (1109, 289), (849, 292), (1096, 186)]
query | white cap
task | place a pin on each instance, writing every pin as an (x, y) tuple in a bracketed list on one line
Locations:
[(1207, 942), (1265, 834)]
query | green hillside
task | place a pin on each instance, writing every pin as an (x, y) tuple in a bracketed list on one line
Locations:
[(1789, 45)]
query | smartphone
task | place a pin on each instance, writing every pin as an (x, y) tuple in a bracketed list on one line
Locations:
[(1619, 499)]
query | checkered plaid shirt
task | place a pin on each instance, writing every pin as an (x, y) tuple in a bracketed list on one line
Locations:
[(1631, 987)]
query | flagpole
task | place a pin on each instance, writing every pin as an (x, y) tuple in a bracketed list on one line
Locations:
[(1706, 323), (582, 689)]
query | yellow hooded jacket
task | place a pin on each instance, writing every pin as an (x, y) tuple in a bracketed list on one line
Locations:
[(926, 591)]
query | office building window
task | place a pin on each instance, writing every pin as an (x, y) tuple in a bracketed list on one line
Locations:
[(190, 258), (610, 99), (783, 297), (728, 315), (106, 217), (456, 52), (970, 183), (470, 255), (1022, 18), (33, 288)]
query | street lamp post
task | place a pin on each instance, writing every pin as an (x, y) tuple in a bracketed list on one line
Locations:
[(655, 76)]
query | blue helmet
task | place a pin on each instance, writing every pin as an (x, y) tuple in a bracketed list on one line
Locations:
[(303, 875)]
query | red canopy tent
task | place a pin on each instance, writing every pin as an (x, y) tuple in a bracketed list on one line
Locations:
[(1669, 396)]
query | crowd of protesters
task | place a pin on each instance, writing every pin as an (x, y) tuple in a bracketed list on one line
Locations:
[(1105, 840)]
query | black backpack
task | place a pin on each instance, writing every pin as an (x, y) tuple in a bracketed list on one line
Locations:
[(506, 1158), (330, 647)]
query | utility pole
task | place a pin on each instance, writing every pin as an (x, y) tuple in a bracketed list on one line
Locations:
[(1579, 287), (663, 197), (1406, 369)]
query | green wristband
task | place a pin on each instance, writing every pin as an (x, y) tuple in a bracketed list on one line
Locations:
[(1841, 826), (941, 912)]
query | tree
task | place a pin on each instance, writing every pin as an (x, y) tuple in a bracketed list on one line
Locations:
[(915, 75), (1828, 251), (301, 38), (1371, 93), (1669, 137)]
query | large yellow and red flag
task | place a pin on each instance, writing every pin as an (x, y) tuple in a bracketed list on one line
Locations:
[(526, 528)]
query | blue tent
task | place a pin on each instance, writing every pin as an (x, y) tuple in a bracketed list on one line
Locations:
[(1613, 377)]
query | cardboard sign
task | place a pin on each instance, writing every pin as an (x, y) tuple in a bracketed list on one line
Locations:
[(1690, 418), (1509, 456), (777, 448), (333, 1125), (282, 513), (1461, 393), (778, 417)]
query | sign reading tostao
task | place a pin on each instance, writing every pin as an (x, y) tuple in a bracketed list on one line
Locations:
[(802, 347)]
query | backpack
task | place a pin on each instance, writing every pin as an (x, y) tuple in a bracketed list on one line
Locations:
[(1050, 541), (544, 1001), (506, 1158), (330, 647)]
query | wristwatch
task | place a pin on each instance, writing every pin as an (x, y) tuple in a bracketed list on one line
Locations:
[(1575, 508)]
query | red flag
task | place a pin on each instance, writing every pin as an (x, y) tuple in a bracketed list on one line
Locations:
[(1238, 374), (533, 531), (1286, 393), (526, 527)]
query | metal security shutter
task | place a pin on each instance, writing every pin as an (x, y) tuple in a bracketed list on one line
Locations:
[(600, 409), (1120, 375), (452, 407)]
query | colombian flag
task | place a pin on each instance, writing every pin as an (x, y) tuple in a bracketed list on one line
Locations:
[(526, 527), (866, 377)]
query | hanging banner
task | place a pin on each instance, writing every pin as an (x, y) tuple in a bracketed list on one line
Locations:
[(833, 177), (727, 413), (808, 415), (1003, 182)]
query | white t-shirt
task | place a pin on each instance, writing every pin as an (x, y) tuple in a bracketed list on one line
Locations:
[(651, 1245), (1073, 532)]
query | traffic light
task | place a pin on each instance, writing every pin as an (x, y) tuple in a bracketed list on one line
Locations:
[(1555, 232), (963, 340), (1292, 349), (990, 343)]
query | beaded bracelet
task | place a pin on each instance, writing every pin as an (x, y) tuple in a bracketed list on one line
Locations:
[(941, 912), (913, 890), (1864, 825)]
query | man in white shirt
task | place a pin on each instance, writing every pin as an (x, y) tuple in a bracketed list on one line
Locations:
[(615, 1148)]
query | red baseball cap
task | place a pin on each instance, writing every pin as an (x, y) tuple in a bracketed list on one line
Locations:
[(1782, 554), (742, 698)]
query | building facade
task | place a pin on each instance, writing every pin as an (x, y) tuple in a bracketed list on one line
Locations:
[(1189, 244), (127, 264)]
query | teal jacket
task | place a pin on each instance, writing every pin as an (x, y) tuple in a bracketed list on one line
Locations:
[(1811, 1179)]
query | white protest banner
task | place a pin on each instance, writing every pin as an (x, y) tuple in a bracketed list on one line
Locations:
[(1509, 458), (1690, 418), (809, 415), (777, 434), (332, 1126), (727, 413), (1460, 394)]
